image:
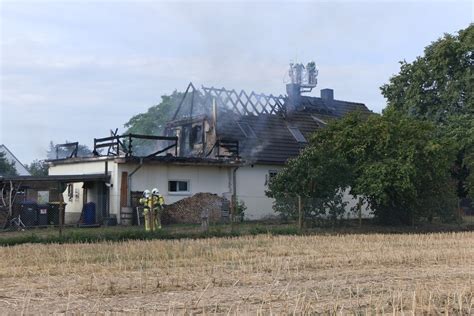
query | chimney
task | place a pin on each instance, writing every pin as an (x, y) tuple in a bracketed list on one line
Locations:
[(294, 96), (327, 95)]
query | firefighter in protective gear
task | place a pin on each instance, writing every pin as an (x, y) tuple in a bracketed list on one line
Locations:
[(146, 201), (158, 201)]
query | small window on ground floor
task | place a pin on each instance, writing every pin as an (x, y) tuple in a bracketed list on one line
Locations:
[(178, 186), (271, 174)]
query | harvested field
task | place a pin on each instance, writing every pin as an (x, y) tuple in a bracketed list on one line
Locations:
[(430, 273)]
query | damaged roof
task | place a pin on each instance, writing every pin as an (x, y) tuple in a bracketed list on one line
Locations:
[(276, 138), (269, 128)]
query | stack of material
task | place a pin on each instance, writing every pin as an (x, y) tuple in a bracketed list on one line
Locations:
[(189, 210)]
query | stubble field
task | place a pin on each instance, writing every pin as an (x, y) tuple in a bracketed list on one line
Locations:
[(382, 274)]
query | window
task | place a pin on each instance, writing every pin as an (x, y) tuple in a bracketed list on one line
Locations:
[(297, 134), (70, 189), (318, 120), (247, 130), (178, 186), (269, 177), (196, 135), (272, 174)]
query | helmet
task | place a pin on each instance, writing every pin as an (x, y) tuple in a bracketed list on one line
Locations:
[(155, 191), (146, 193)]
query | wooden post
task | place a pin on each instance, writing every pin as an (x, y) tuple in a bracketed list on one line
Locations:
[(359, 208), (124, 199), (300, 214), (61, 213), (10, 200), (231, 213)]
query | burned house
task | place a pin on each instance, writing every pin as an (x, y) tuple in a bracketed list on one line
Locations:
[(226, 142)]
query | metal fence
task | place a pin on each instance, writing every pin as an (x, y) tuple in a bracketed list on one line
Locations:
[(308, 211), (30, 215), (303, 211)]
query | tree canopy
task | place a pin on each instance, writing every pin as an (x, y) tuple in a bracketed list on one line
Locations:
[(7, 168), (38, 168), (438, 84), (394, 161), (154, 120), (403, 162), (438, 87)]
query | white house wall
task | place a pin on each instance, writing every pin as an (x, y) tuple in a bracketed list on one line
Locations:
[(252, 182), (211, 179), (85, 167), (74, 207)]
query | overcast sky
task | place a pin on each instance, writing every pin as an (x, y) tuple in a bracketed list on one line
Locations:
[(73, 70)]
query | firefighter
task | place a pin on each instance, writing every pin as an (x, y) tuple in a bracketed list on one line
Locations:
[(158, 201), (146, 201)]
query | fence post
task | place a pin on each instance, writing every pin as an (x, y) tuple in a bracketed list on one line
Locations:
[(61, 213), (300, 214), (359, 209)]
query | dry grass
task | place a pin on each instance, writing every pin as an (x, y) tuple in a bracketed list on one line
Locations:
[(363, 274)]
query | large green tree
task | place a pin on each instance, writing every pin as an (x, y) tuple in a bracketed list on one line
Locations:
[(38, 168), (153, 122), (438, 84), (7, 168), (395, 162), (438, 87)]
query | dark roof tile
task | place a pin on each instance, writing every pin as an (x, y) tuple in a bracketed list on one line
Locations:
[(274, 143)]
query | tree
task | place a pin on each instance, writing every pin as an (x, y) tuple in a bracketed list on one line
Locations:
[(438, 87), (439, 84), (38, 168), (317, 176), (7, 168), (396, 163), (153, 122)]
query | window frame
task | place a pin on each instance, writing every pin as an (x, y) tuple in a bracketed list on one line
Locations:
[(178, 192), (270, 175), (245, 127), (297, 134)]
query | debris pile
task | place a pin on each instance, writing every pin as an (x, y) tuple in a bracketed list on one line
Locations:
[(189, 210)]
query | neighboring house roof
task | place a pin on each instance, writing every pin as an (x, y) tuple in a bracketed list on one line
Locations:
[(20, 168)]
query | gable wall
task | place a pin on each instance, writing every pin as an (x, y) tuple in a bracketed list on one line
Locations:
[(251, 185)]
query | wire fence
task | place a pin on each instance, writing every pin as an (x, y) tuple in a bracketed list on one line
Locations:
[(31, 215), (301, 211), (311, 212)]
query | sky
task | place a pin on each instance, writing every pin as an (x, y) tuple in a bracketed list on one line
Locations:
[(73, 70)]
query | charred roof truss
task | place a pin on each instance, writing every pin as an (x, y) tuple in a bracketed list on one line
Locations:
[(246, 104)]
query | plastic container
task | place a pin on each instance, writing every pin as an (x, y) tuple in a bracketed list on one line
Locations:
[(29, 213), (53, 214), (42, 215), (89, 213)]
